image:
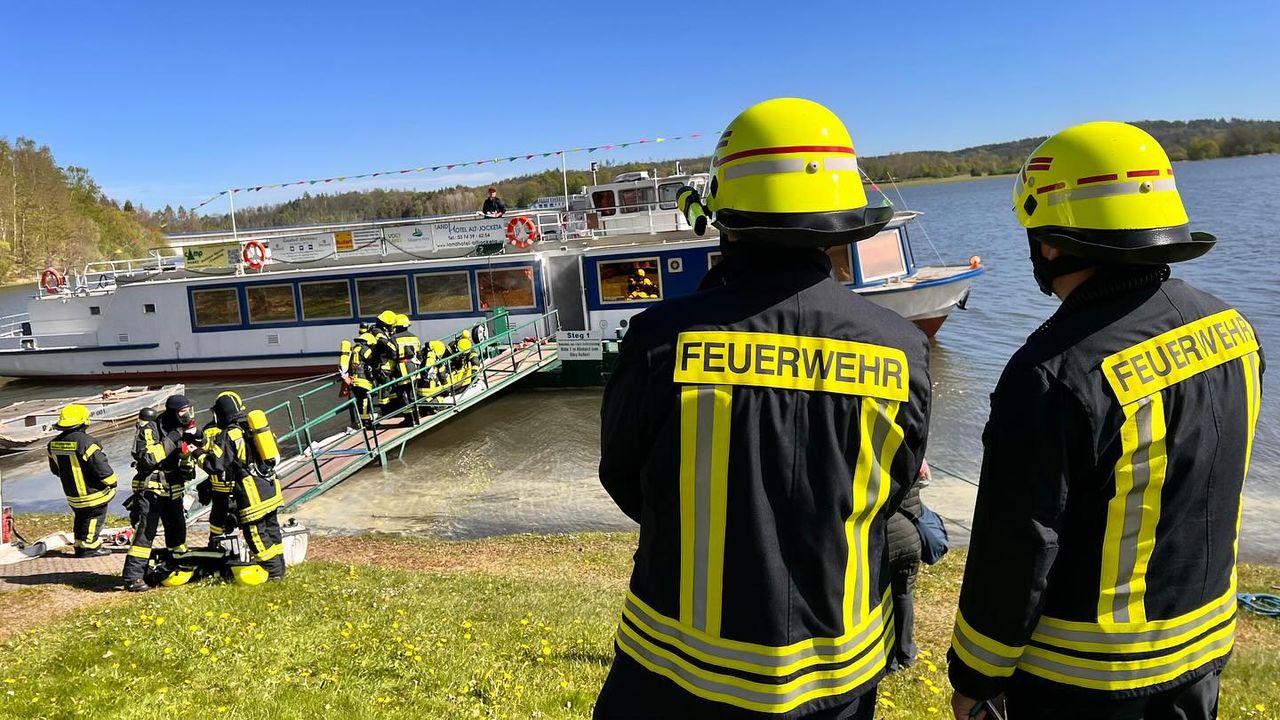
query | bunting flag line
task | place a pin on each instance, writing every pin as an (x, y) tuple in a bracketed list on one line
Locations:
[(450, 166)]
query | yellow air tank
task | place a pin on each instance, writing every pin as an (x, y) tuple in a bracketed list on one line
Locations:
[(263, 440)]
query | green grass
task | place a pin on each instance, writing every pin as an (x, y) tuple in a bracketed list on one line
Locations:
[(506, 628)]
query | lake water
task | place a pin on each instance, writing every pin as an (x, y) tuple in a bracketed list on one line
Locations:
[(526, 461)]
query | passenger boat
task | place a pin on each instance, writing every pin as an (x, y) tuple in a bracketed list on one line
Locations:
[(279, 301), (26, 423)]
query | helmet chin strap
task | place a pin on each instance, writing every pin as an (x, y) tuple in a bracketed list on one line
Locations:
[(1046, 270)]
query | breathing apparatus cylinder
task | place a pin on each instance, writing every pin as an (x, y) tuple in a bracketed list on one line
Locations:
[(263, 440)]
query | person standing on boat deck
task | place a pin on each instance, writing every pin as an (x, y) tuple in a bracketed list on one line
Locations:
[(150, 493), (493, 205), (88, 481), (761, 431), (181, 443), (1101, 575)]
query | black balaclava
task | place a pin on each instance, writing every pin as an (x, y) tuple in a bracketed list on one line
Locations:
[(226, 410), (1046, 270), (179, 408)]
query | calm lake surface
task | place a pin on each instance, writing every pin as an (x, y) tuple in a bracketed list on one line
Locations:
[(526, 462)]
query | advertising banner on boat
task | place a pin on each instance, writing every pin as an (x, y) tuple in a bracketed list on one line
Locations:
[(411, 238), (358, 242), (469, 233), (301, 248), (209, 257), (579, 345)]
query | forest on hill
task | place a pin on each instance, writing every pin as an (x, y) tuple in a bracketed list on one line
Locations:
[(55, 215)]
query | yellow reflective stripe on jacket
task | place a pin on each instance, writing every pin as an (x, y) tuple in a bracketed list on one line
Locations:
[(1128, 674), (792, 362), (1133, 513), (704, 480), (92, 500), (1136, 637), (89, 451), (768, 660), (752, 695), (1178, 354), (154, 448), (879, 439), (982, 653)]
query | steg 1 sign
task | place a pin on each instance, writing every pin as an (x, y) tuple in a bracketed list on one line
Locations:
[(579, 345)]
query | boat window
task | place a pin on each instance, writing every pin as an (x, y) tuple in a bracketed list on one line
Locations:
[(95, 310), (328, 300), (271, 303), (713, 259), (603, 201), (841, 264), (630, 280), (667, 195), (216, 307), (636, 199), (880, 257), (443, 292), (149, 307), (506, 287), (375, 294)]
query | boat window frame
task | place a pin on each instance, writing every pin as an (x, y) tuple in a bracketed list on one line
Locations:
[(657, 267), (533, 286), (195, 314), (905, 263), (711, 256), (605, 210), (669, 204), (640, 205), (248, 305), (302, 302), (854, 269), (472, 292), (408, 297)]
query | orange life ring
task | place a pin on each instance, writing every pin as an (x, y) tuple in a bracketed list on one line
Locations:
[(256, 258), (51, 279), (530, 232)]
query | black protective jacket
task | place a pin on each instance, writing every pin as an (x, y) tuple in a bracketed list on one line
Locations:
[(81, 466), (1103, 555), (760, 431)]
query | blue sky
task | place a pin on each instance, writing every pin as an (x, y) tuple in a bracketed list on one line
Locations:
[(171, 102)]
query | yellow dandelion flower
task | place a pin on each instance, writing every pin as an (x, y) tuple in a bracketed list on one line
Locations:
[(204, 651), (159, 621), (168, 651), (931, 710)]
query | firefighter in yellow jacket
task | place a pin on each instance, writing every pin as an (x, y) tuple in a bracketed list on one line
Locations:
[(356, 372), (1101, 576), (244, 454), (87, 479), (761, 431)]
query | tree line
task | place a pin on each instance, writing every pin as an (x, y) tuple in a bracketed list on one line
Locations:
[(52, 215), (58, 216)]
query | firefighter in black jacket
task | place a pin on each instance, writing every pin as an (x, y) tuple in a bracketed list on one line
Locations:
[(243, 458), (150, 493), (761, 431), (87, 479), (181, 443), (1101, 576)]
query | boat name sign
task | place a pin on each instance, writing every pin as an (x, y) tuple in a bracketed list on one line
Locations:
[(579, 345)]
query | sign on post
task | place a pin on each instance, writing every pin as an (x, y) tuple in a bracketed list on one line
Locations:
[(206, 257), (579, 345)]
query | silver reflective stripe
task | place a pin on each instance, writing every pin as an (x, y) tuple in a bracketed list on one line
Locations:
[(651, 623), (821, 685), (1127, 551), (1129, 187), (702, 502), (982, 653), (879, 431), (763, 167), (1222, 610), (1035, 659), (833, 164)]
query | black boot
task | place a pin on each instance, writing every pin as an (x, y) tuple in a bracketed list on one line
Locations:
[(136, 585)]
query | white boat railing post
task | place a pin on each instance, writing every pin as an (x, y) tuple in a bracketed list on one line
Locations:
[(564, 175), (234, 235)]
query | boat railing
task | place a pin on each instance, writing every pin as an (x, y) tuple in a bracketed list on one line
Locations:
[(15, 325), (304, 422)]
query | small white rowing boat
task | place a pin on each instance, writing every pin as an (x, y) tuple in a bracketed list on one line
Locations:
[(25, 423)]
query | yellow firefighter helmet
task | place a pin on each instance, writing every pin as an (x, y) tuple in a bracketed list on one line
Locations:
[(73, 415), (1105, 191), (248, 574), (786, 174)]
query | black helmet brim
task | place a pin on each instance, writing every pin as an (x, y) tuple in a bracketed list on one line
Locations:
[(1150, 246), (822, 229)]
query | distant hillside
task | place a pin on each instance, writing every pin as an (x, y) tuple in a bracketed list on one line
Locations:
[(1184, 140)]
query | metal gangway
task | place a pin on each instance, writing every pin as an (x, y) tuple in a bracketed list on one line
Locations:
[(330, 445)]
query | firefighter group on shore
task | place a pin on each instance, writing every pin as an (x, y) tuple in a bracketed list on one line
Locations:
[(763, 430), (387, 350)]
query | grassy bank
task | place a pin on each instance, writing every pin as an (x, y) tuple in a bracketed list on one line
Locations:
[(513, 627)]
